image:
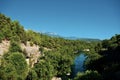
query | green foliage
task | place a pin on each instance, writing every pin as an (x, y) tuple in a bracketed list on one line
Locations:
[(58, 54), (8, 72), (18, 30), (44, 70), (109, 62), (1, 37), (61, 62), (98, 47), (33, 37), (88, 75), (90, 59), (32, 75), (13, 67), (8, 29), (14, 47), (64, 65), (105, 43), (41, 49), (112, 43), (18, 60)]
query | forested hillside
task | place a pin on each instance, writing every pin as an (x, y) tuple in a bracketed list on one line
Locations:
[(108, 64), (53, 56)]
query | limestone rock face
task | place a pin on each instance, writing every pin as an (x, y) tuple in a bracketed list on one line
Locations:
[(56, 78), (32, 53), (4, 47)]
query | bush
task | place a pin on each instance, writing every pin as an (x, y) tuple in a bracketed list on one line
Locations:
[(88, 75), (13, 67), (15, 47), (44, 70), (32, 75)]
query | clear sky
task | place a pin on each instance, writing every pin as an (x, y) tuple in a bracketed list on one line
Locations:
[(79, 18)]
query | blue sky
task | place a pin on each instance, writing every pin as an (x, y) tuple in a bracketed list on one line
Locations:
[(79, 18)]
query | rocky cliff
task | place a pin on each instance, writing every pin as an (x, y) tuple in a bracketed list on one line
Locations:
[(31, 52)]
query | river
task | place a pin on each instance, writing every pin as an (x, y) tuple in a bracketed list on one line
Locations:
[(78, 64)]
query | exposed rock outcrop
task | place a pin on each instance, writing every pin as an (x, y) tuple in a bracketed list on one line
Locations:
[(4, 47), (56, 78), (31, 52)]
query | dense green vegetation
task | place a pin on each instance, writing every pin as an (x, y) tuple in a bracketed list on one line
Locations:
[(88, 75), (57, 55), (107, 63), (13, 67)]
